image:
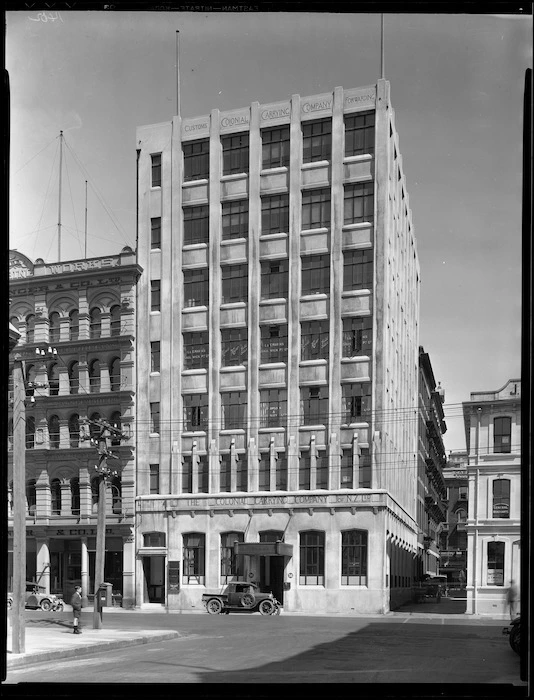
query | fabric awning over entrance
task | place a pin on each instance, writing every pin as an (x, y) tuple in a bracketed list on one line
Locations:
[(264, 549)]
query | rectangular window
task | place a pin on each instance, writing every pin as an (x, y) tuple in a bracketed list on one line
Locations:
[(314, 340), (195, 411), (234, 410), (225, 472), (155, 356), (156, 169), (154, 478), (314, 405), (364, 470), (358, 203), (273, 344), (196, 225), (316, 208), (196, 287), (311, 555), (502, 435), (275, 214), (346, 476), (203, 474), (357, 269), (194, 553), (281, 472), (356, 402), (273, 408), (264, 472), (154, 417), (357, 336), (315, 274), (316, 140), (360, 134), (275, 147), (304, 472), (187, 474), (155, 233), (235, 153), (196, 350), (501, 498), (242, 472), (354, 558), (321, 471), (155, 295), (495, 564), (234, 346), (234, 283), (274, 279), (231, 564), (196, 160), (235, 219)]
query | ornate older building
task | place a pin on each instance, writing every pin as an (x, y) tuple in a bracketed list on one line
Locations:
[(77, 325)]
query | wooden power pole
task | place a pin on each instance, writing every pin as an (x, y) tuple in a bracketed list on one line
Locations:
[(18, 625)]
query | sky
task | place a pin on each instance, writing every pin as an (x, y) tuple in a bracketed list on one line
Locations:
[(457, 86)]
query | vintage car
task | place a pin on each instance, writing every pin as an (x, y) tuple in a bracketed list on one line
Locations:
[(514, 634), (241, 596), (36, 597), (430, 587)]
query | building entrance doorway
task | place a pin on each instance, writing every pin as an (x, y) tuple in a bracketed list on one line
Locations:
[(154, 579), (272, 576)]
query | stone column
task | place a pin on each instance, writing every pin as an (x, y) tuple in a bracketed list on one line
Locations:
[(66, 498), (43, 562), (128, 572), (85, 571)]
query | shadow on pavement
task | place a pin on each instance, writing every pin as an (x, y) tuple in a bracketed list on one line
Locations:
[(447, 606), (49, 621)]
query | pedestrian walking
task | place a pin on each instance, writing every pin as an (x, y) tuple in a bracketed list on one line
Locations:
[(76, 602), (511, 599)]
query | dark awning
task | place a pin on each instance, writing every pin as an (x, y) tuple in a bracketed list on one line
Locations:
[(264, 549)]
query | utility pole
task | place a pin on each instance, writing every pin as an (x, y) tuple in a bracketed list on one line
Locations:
[(18, 625)]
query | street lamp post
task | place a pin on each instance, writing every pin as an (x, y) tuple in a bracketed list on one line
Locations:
[(18, 628)]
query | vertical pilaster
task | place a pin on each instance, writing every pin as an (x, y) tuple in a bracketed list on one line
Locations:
[(66, 498), (43, 562), (128, 571), (84, 570)]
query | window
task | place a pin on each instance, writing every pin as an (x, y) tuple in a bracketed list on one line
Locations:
[(115, 320), (321, 471), (461, 516), (115, 421), (154, 539), (275, 147), (196, 225), (203, 473), (196, 350), (495, 564), (74, 430), (155, 233), (242, 472), (30, 328), (357, 336), (53, 327), (357, 270), (501, 498), (116, 495), (234, 410), (354, 558), (154, 417), (115, 374), (314, 340), (235, 153), (95, 323), (346, 475), (273, 408), (155, 295), (74, 378), (31, 496), (53, 432), (311, 558), (264, 472), (225, 472), (195, 411), (53, 379), (94, 429), (94, 376), (275, 214), (234, 346), (196, 160), (463, 493), (196, 287), (314, 405), (316, 140), (281, 471), (273, 344), (187, 474), (154, 478), (274, 279), (304, 472), (358, 203), (234, 283), (235, 219), (502, 435), (194, 557), (231, 564), (75, 495), (156, 169), (55, 496), (360, 134), (315, 274), (316, 208), (155, 356), (356, 402), (74, 325), (364, 471)]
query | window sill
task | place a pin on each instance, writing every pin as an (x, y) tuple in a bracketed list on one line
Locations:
[(194, 433), (355, 293), (358, 158), (233, 176), (196, 370), (232, 431), (310, 297), (311, 363), (233, 368), (274, 300), (193, 309), (234, 305), (273, 236), (237, 239), (356, 226), (192, 183), (355, 358), (274, 171), (361, 424), (315, 164), (310, 231), (272, 365), (277, 429), (194, 246), (303, 428)]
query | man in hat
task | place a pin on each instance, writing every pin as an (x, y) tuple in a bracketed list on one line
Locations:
[(76, 602)]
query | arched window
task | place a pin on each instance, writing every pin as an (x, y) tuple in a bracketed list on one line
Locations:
[(31, 376), (30, 432), (30, 328), (53, 432), (74, 430), (502, 435), (354, 558), (94, 376), (31, 496), (74, 324), (231, 564), (75, 495), (53, 378), (312, 558), (115, 374), (115, 420), (95, 323), (74, 377), (501, 498), (115, 312), (14, 321), (116, 495), (194, 557), (55, 493), (94, 430), (53, 327)]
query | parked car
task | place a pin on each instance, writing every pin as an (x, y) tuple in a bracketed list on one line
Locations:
[(241, 596), (514, 634), (36, 597), (430, 587)]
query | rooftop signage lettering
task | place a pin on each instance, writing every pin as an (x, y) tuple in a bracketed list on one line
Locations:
[(195, 127), (316, 106), (358, 98), (82, 265), (290, 500), (275, 113), (232, 121), (20, 266)]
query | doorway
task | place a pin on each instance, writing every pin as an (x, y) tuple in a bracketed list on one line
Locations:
[(272, 576), (154, 579)]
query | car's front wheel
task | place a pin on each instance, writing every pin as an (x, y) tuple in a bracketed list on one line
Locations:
[(214, 606), (266, 607), (248, 600), (515, 640), (46, 605)]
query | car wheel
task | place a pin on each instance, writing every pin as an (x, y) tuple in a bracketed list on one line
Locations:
[(214, 606), (248, 600), (59, 605), (515, 640), (9, 603), (46, 605), (266, 607)]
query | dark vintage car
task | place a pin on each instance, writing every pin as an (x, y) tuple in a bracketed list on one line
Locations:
[(36, 597), (430, 587), (241, 596), (514, 634)]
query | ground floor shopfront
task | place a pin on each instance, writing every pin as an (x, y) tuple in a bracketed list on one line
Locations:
[(317, 552)]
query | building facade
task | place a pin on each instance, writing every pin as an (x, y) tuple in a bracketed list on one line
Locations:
[(493, 438), (279, 355), (76, 320), (453, 534)]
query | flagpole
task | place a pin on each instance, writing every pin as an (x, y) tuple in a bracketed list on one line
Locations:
[(382, 46), (177, 73)]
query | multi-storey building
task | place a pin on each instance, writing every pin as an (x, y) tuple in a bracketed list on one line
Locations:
[(76, 320), (453, 533), (431, 491), (493, 438), (278, 366)]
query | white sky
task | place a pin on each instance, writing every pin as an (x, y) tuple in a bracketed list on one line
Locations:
[(457, 85)]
